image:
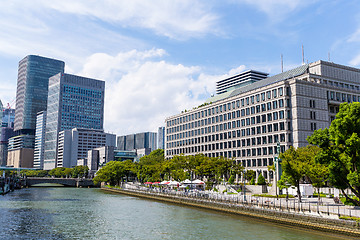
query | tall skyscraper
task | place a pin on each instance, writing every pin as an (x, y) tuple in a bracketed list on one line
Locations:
[(161, 138), (32, 89), (39, 140), (73, 102)]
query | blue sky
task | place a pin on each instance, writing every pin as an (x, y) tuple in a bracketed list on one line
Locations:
[(161, 57)]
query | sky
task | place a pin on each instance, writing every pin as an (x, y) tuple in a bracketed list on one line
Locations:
[(160, 57)]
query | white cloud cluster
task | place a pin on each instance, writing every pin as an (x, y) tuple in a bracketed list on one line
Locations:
[(277, 10), (179, 19), (142, 89)]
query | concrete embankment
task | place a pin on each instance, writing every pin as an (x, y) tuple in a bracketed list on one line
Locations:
[(338, 226)]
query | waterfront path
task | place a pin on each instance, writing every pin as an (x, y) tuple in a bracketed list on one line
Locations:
[(326, 208)]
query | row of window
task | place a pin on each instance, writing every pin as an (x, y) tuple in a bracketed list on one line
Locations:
[(251, 152), (234, 124), (265, 96), (342, 85), (342, 97), (228, 144)]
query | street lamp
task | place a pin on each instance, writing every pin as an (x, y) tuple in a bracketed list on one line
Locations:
[(244, 190)]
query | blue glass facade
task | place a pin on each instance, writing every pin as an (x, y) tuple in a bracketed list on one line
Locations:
[(73, 102), (32, 88)]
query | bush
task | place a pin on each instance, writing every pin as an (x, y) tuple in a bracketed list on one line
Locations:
[(347, 202), (231, 179), (225, 191), (252, 181), (261, 180), (272, 196)]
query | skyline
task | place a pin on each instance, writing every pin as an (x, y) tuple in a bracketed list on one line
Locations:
[(160, 58)]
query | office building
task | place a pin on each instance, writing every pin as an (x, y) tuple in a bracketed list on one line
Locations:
[(161, 138), (74, 144), (1, 112), (137, 141), (248, 123), (73, 102), (32, 89), (239, 80), (6, 132), (39, 140), (8, 117), (98, 157), (21, 151)]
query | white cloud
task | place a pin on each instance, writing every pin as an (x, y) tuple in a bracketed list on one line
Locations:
[(277, 10), (179, 19), (142, 89)]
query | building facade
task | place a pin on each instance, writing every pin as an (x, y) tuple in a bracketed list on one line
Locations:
[(73, 102), (161, 138), (137, 141), (6, 132), (249, 122), (74, 144), (39, 140), (32, 89)]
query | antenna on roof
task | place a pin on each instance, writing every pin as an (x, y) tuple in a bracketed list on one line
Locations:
[(282, 64), (302, 49), (329, 56)]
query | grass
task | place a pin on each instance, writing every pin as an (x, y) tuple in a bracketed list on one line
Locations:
[(272, 196), (350, 218)]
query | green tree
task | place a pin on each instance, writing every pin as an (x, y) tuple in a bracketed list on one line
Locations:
[(113, 172), (149, 167), (293, 166), (250, 174), (261, 180), (80, 171), (340, 150)]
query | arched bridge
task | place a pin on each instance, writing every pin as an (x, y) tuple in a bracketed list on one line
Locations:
[(68, 182)]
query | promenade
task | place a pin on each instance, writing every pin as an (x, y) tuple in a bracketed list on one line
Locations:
[(326, 208), (309, 213)]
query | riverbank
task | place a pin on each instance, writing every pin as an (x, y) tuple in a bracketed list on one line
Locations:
[(338, 226)]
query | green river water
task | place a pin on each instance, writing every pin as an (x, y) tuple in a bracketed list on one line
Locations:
[(77, 213)]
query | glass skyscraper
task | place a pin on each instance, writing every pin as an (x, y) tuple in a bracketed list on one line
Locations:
[(32, 89), (73, 102)]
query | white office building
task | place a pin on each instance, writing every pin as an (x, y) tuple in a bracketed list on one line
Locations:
[(248, 123)]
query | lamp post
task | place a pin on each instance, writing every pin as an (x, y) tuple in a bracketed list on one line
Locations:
[(244, 190), (276, 164)]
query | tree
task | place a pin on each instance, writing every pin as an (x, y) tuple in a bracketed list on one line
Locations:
[(293, 166), (340, 149), (261, 180), (113, 172), (80, 171), (250, 174)]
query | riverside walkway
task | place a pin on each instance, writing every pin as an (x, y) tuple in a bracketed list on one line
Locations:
[(326, 208)]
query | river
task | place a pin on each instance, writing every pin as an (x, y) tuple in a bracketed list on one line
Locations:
[(79, 213)]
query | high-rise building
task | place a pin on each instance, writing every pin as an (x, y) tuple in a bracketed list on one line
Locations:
[(8, 117), (73, 102), (137, 141), (32, 89), (1, 112), (39, 140), (253, 123), (74, 144), (161, 138), (6, 132)]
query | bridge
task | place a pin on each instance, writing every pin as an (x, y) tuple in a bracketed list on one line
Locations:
[(68, 182)]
